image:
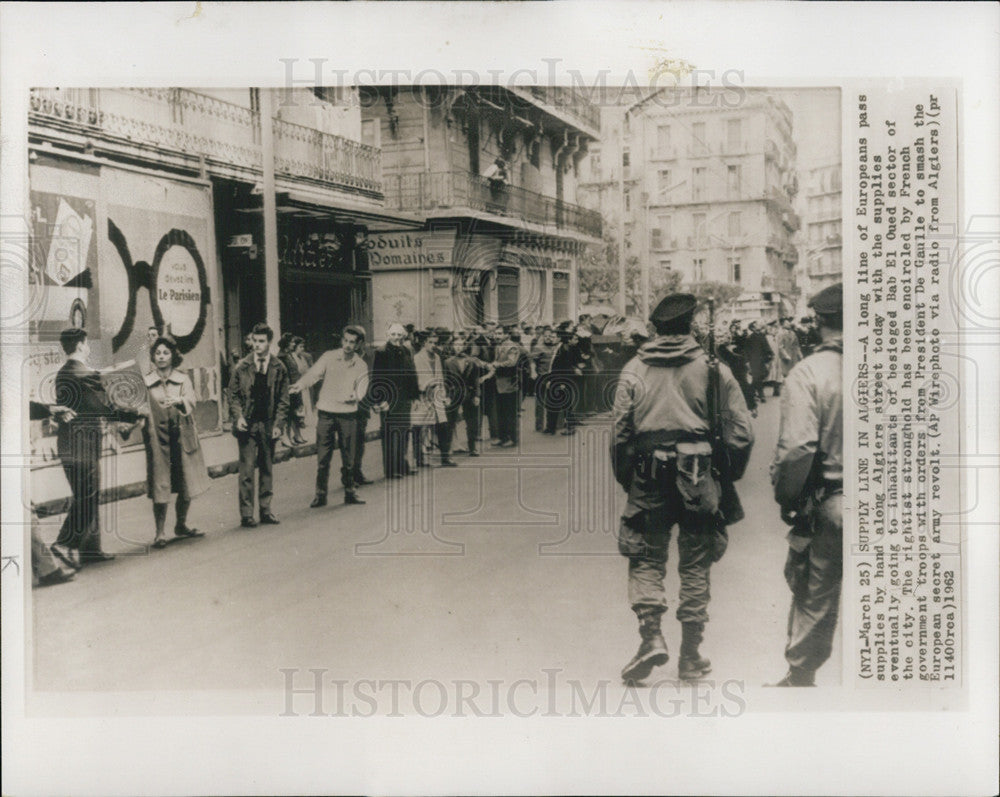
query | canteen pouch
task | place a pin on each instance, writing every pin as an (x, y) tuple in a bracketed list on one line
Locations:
[(698, 488)]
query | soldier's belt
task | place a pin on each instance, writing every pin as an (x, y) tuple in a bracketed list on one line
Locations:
[(694, 460), (647, 442)]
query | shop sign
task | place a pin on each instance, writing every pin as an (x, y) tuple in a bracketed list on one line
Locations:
[(178, 289), (406, 250)]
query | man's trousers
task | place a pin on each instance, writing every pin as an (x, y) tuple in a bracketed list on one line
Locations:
[(333, 429)]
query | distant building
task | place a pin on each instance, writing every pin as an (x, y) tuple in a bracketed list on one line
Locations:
[(493, 172), (707, 183), (823, 230)]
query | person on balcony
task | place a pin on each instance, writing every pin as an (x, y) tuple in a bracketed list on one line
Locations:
[(498, 179)]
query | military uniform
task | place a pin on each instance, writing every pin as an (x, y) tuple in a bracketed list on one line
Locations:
[(808, 479), (663, 458)]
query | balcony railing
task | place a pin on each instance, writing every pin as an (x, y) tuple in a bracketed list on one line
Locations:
[(569, 101), (464, 190), (660, 243), (305, 152), (779, 198), (195, 124), (781, 285)]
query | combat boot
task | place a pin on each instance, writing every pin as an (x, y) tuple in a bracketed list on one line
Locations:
[(652, 650), (692, 665), (796, 676)]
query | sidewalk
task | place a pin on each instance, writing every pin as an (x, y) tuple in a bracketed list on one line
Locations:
[(50, 492)]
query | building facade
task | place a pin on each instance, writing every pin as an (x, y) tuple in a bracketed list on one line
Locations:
[(148, 208), (705, 186), (823, 230), (493, 172)]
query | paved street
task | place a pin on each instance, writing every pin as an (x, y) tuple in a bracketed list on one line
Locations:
[(493, 570)]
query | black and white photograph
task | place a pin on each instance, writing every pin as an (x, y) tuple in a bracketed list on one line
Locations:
[(408, 420)]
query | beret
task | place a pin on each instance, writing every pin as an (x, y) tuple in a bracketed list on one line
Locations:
[(676, 305), (829, 301)]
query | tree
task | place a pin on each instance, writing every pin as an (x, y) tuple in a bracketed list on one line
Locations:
[(722, 293), (598, 276)]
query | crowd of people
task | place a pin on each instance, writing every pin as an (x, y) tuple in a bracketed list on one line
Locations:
[(671, 425), (761, 355), (422, 383)]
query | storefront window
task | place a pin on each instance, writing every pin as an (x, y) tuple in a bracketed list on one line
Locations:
[(560, 296)]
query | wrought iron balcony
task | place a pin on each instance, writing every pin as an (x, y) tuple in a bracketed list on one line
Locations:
[(569, 101), (464, 191), (782, 203), (305, 152), (781, 285), (194, 125)]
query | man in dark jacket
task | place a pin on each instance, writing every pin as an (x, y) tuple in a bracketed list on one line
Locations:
[(392, 389), (563, 387), (757, 353), (542, 353), (662, 455), (258, 407), (79, 389), (507, 357)]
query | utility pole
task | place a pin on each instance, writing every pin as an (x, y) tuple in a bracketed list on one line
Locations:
[(271, 288), (621, 215), (644, 195)]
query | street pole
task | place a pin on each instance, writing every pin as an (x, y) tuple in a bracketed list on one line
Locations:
[(621, 216), (271, 293), (644, 265)]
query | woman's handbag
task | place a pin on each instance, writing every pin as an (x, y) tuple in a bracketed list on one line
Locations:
[(189, 434)]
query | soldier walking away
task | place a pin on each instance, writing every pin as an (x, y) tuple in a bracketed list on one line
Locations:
[(663, 455), (808, 479)]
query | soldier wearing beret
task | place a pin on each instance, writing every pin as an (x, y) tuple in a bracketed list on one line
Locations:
[(663, 457), (808, 480)]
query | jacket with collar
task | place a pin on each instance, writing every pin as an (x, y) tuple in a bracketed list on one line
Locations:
[(241, 391)]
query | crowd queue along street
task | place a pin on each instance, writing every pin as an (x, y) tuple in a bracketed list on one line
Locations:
[(542, 331), (684, 416)]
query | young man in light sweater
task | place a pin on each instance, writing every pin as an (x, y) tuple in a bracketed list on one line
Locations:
[(344, 375)]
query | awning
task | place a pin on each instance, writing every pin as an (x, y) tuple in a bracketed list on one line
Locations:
[(297, 204)]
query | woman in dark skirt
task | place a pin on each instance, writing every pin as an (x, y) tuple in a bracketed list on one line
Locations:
[(174, 461), (296, 411)]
